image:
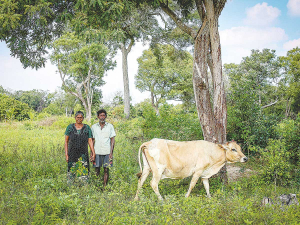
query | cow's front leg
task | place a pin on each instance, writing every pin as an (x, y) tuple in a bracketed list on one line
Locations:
[(193, 183), (142, 179), (206, 186)]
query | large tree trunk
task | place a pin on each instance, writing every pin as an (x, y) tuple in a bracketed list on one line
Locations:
[(201, 86), (125, 77), (211, 107), (219, 96)]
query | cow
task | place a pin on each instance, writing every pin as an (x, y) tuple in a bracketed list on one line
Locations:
[(178, 160)]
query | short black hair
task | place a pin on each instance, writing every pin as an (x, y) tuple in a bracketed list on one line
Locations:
[(79, 112), (101, 111)]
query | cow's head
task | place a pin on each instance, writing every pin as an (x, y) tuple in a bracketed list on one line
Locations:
[(233, 152)]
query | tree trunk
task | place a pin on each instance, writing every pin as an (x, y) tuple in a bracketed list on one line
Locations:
[(219, 96), (211, 107), (201, 86), (125, 77), (88, 113)]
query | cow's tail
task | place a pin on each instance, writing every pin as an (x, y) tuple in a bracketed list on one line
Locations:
[(143, 146)]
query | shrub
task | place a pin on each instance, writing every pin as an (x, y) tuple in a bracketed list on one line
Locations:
[(289, 131), (250, 127), (13, 109), (62, 122), (281, 156), (173, 123), (276, 167)]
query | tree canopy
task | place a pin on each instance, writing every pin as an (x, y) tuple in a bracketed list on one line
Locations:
[(82, 62), (166, 73)]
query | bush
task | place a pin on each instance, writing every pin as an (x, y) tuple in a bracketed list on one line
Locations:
[(173, 123), (62, 122), (289, 131), (281, 157), (276, 167), (13, 109), (250, 128)]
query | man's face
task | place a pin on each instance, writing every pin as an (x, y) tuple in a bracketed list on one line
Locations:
[(102, 117)]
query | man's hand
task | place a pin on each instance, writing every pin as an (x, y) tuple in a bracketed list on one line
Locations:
[(110, 157), (67, 158)]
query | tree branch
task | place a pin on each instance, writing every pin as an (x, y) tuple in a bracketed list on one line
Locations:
[(162, 18), (219, 6), (62, 77), (130, 45), (200, 8), (177, 20), (201, 28), (266, 106)]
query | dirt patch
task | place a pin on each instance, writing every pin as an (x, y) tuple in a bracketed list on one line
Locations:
[(47, 122), (235, 172)]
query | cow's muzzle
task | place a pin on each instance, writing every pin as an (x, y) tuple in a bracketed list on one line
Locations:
[(244, 159)]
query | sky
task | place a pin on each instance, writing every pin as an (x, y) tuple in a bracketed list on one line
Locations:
[(243, 25)]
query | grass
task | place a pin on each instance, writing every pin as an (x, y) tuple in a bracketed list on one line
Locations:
[(33, 188)]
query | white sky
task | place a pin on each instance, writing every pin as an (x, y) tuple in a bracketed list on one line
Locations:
[(244, 25)]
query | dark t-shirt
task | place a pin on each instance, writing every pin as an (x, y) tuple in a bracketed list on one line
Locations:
[(87, 129)]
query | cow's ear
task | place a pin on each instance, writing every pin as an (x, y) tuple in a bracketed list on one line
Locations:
[(225, 147)]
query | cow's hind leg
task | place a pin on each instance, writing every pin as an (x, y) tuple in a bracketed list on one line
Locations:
[(193, 183), (142, 179), (206, 186), (157, 172), (154, 183)]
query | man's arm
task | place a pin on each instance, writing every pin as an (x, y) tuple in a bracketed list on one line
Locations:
[(112, 146)]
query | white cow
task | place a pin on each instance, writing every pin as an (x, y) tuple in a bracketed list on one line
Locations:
[(177, 160)]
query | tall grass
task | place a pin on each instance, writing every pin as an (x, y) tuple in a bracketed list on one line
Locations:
[(34, 190)]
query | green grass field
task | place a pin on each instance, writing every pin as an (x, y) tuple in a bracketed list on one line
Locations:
[(34, 190)]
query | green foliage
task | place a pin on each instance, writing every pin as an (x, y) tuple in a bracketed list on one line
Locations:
[(281, 157), (82, 62), (36, 99), (117, 112), (13, 109), (166, 73), (63, 122), (29, 26), (276, 167), (291, 67), (252, 86), (289, 132), (173, 123)]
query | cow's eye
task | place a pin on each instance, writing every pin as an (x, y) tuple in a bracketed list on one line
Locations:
[(234, 150)]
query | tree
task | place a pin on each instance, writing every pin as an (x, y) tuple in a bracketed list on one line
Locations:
[(291, 66), (132, 24), (207, 54), (29, 26), (37, 23), (82, 63), (61, 103), (165, 73), (261, 72), (254, 88), (36, 99), (137, 25), (11, 108)]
